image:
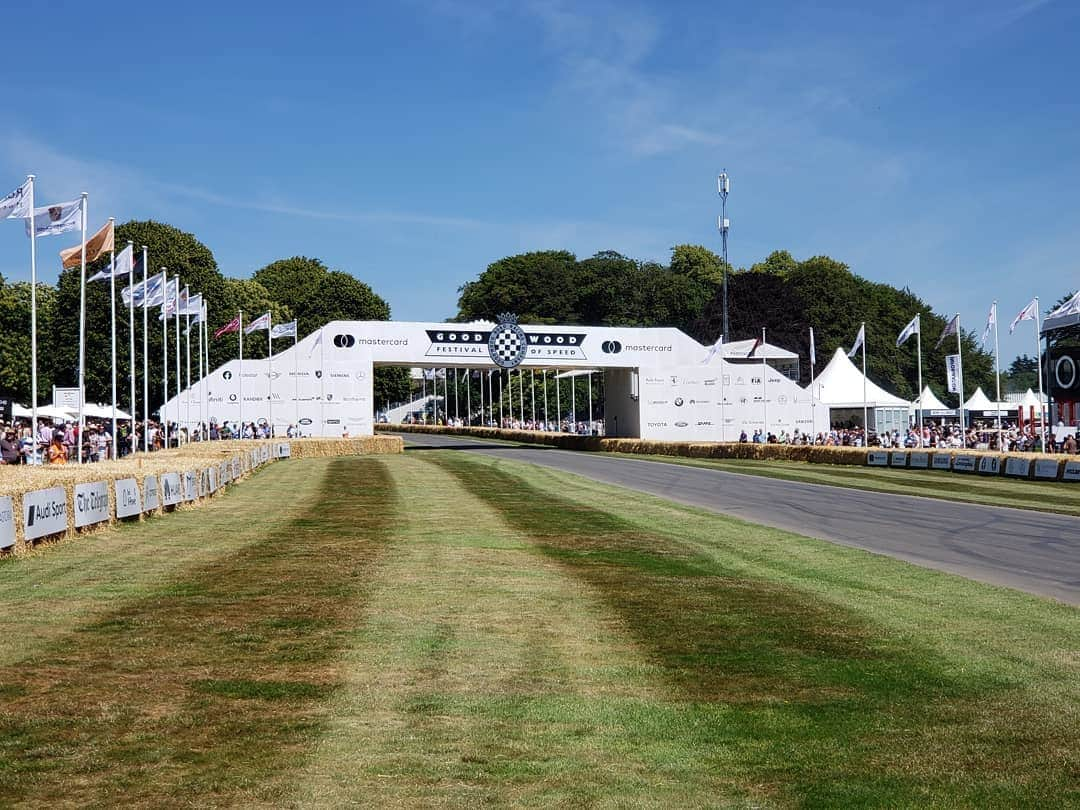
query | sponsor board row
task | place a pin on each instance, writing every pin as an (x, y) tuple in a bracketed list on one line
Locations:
[(1013, 467), (46, 511)]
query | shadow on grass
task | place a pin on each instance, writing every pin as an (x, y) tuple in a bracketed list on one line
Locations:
[(833, 709), (211, 688)]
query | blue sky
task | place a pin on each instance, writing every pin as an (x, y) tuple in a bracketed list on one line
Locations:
[(932, 145)]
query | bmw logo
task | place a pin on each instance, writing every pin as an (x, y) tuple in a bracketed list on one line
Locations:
[(679, 401)]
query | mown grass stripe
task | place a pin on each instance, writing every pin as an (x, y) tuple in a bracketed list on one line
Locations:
[(824, 704), (213, 686)]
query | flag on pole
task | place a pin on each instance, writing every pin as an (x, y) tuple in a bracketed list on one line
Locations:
[(714, 349), (316, 344), (262, 322), (813, 354), (150, 295), (283, 330), (197, 317), (231, 326), (1028, 313), (56, 219), (96, 246), (859, 340), (16, 205), (170, 298), (911, 329), (951, 328), (1065, 315), (755, 347), (192, 305), (991, 319), (122, 265)]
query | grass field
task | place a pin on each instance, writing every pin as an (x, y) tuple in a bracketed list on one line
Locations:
[(445, 629)]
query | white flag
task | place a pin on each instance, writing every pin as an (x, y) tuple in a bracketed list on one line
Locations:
[(952, 372), (1028, 313), (911, 329), (316, 344), (16, 205), (169, 298), (714, 349), (860, 339), (1065, 315), (193, 305), (951, 328), (150, 296), (283, 330), (124, 262), (991, 319), (813, 354), (54, 219), (262, 322)]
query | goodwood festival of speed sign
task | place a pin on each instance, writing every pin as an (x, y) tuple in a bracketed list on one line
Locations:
[(507, 344)]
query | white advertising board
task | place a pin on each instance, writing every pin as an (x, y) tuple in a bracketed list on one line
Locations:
[(284, 450), (877, 458), (236, 471), (151, 496), (91, 503), (212, 479), (964, 464), (191, 485), (7, 522), (1046, 468), (897, 458), (128, 498), (201, 483), (1071, 471), (1019, 467), (44, 512), (919, 459), (990, 465), (941, 461), (170, 489)]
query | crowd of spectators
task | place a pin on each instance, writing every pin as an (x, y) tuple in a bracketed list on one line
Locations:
[(58, 442)]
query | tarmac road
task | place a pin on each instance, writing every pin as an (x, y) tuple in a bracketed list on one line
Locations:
[(1031, 551)]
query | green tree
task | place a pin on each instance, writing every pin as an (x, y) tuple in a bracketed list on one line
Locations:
[(540, 287), (1022, 374), (15, 334)]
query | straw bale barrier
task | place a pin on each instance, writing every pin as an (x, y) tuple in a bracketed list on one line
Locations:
[(243, 456), (1053, 467)]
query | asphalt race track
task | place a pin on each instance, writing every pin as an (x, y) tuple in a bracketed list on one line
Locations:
[(1031, 551)]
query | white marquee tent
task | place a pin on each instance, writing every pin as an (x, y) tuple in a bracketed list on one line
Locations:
[(840, 387)]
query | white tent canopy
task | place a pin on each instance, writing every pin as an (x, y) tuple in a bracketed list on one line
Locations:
[(840, 384), (100, 411), (52, 412), (981, 402), (1031, 400), (740, 350), (19, 412), (930, 402)]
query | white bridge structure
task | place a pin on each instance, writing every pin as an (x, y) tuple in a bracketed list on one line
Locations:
[(658, 383)]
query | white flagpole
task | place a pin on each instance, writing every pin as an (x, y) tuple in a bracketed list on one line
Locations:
[(131, 341), (590, 404), (532, 394), (1038, 358), (468, 396), (176, 310), (206, 365), (296, 377), (241, 333), (558, 404), (865, 421), (187, 351), (164, 356), (202, 380), (764, 391), (145, 356), (997, 373), (521, 397), (543, 382), (270, 375), (33, 322), (457, 385), (510, 396), (960, 362), (82, 329), (918, 355), (813, 401), (573, 404), (112, 310)]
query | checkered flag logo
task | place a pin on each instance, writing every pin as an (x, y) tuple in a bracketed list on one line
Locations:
[(507, 344)]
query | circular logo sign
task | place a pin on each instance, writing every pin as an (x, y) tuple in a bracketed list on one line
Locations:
[(1065, 371), (507, 345)]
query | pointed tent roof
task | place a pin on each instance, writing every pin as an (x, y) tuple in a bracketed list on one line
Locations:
[(930, 402), (840, 384), (1030, 400), (979, 402), (740, 349)]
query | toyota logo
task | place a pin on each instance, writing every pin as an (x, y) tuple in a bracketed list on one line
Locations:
[(344, 341), (611, 347)]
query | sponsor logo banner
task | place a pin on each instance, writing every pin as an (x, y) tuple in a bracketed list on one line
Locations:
[(463, 342), (7, 522), (941, 461), (1021, 467), (44, 512), (284, 450), (898, 458), (877, 458), (212, 479), (964, 464), (990, 465), (235, 469), (170, 489), (191, 485), (128, 499), (920, 460), (151, 493), (1071, 471), (1046, 468)]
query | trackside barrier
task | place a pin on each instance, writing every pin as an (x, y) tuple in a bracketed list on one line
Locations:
[(898, 459)]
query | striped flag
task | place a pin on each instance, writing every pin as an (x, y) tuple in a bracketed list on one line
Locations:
[(262, 322), (231, 326)]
